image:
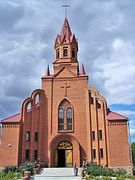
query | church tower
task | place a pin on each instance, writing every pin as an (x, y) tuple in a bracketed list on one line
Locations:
[(66, 49)]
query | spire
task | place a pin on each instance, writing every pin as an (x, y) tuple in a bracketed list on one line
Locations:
[(47, 71), (66, 30), (66, 33), (82, 71)]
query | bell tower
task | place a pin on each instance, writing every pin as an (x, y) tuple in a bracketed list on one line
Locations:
[(66, 50)]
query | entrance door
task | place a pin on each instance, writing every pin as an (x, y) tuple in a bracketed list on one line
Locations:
[(64, 155), (61, 158)]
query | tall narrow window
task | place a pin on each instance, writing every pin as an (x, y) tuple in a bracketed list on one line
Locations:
[(36, 136), (28, 136), (93, 135), (69, 118), (101, 153), (57, 54), (100, 134), (94, 153), (27, 155), (65, 52), (73, 53), (35, 154), (61, 119)]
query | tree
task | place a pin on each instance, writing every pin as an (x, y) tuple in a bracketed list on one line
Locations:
[(133, 152)]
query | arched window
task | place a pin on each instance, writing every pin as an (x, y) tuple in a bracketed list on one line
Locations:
[(61, 119), (37, 99), (57, 54), (65, 116), (65, 52), (29, 107), (73, 53), (69, 118)]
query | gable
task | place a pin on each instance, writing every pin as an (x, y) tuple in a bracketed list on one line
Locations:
[(64, 72)]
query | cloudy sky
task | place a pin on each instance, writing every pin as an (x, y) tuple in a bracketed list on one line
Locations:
[(106, 33)]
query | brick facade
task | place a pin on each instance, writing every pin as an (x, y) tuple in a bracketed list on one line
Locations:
[(66, 110)]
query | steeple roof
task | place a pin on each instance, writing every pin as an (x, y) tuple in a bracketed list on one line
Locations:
[(66, 33), (82, 71), (47, 71), (66, 30)]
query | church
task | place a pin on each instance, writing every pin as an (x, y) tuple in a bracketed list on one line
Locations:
[(66, 120)]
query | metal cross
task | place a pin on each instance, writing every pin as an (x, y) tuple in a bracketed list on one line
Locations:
[(66, 6), (66, 86)]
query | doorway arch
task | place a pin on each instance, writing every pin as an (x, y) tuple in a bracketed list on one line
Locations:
[(56, 142), (64, 154)]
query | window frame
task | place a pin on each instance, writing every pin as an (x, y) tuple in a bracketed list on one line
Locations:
[(93, 136), (28, 136), (65, 108), (27, 155), (100, 135), (65, 52), (94, 153), (101, 153), (35, 154), (60, 123), (36, 136), (70, 118)]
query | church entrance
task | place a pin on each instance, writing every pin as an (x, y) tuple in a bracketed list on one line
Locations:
[(64, 155)]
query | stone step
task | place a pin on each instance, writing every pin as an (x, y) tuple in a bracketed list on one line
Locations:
[(57, 174)]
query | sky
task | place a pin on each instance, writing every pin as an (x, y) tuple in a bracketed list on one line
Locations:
[(106, 34)]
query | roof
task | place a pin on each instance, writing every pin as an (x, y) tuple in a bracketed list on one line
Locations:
[(66, 30), (14, 118), (66, 34), (115, 116)]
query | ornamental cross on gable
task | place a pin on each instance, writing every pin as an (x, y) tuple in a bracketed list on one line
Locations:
[(66, 87), (66, 6)]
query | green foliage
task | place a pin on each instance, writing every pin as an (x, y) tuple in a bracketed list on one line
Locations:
[(133, 152), (10, 169), (120, 172), (9, 176), (27, 167), (120, 178), (98, 170)]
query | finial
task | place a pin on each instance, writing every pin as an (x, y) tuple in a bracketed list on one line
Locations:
[(47, 71), (82, 70), (66, 6)]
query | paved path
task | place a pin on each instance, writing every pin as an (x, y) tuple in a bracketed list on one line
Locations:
[(57, 174)]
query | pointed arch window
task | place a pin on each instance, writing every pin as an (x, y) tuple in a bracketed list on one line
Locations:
[(61, 119), (69, 118), (73, 53), (65, 116), (65, 52), (57, 54)]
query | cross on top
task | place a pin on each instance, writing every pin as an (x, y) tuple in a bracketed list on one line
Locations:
[(65, 86), (66, 6)]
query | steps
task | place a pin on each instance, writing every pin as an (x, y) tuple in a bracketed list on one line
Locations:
[(56, 173)]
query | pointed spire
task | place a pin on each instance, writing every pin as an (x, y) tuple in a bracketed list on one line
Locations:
[(47, 71), (66, 30), (82, 71)]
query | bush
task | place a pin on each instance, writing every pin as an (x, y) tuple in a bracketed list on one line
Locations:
[(9, 175), (27, 167), (10, 169), (120, 172), (98, 170)]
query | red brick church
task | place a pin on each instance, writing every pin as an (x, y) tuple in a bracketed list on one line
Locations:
[(65, 120)]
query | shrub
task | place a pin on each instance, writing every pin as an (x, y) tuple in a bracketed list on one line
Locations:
[(9, 169), (98, 170), (9, 175), (120, 172), (27, 167)]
